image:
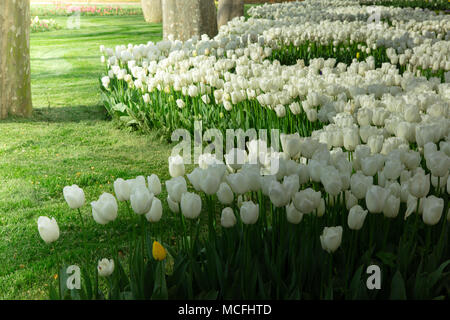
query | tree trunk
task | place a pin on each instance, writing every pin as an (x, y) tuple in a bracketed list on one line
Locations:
[(15, 80), (152, 10), (229, 9), (187, 18)]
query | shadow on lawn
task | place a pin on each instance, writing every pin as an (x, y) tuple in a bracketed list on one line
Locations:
[(63, 114)]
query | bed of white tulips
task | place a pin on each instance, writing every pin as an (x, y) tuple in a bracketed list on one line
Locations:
[(362, 178), (307, 231), (292, 66)]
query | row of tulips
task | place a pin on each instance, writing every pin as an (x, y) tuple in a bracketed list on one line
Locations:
[(428, 4), (282, 70), (308, 230), (84, 10), (38, 25)]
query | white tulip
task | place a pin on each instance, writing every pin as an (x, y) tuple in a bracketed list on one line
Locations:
[(432, 210), (376, 197), (331, 238), (359, 184), (173, 205), (74, 196), (356, 217), (176, 166), (105, 267), (154, 184), (48, 229), (141, 200), (122, 189), (306, 201), (104, 209), (392, 169), (238, 182), (391, 207), (249, 212), (293, 215), (136, 183), (191, 205), (176, 187), (225, 194), (419, 185), (278, 194), (291, 144), (155, 212), (321, 207), (228, 219), (438, 163)]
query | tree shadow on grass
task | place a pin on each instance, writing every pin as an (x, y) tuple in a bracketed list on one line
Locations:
[(62, 115)]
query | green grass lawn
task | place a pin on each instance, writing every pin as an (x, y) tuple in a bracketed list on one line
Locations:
[(68, 140)]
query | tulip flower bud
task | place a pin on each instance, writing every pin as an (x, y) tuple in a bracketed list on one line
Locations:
[(278, 194), (74, 196), (253, 176), (104, 209), (375, 143), (135, 183), (419, 185), (141, 200), (155, 212), (105, 267), (180, 103), (225, 194), (195, 177), (356, 217), (154, 185), (375, 199), (359, 184), (350, 200), (392, 169), (228, 219), (211, 181), (48, 229), (351, 138), (432, 210), (191, 205), (291, 144), (314, 170), (321, 207), (391, 207), (331, 238), (331, 180), (249, 212), (122, 189), (173, 205), (372, 164), (438, 163), (291, 184), (176, 187), (176, 166), (293, 215), (306, 201), (158, 251), (238, 182), (411, 159)]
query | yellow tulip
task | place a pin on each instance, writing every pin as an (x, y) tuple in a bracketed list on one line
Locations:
[(159, 253)]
